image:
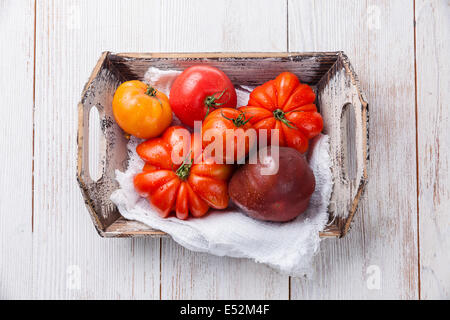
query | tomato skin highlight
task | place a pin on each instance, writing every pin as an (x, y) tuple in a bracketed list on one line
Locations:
[(140, 110), (286, 105), (192, 88), (184, 188)]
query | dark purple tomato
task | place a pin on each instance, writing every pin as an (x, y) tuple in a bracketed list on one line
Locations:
[(278, 197)]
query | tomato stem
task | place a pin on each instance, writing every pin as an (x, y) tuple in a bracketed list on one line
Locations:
[(185, 168), (281, 115), (150, 91), (239, 120), (210, 101)]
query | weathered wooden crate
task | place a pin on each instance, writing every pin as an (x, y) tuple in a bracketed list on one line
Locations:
[(339, 99)]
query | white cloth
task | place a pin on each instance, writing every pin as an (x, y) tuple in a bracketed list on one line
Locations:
[(288, 247)]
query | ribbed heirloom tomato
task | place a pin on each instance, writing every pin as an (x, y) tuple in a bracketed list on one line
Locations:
[(231, 127), (288, 105), (141, 110), (199, 90), (184, 187)]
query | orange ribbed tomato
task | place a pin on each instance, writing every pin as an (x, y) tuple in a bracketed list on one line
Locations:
[(287, 105)]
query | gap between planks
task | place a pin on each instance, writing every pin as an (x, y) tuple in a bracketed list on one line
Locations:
[(416, 131), (287, 49), (417, 151)]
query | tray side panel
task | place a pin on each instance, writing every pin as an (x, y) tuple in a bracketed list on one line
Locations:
[(98, 93), (344, 111), (243, 69)]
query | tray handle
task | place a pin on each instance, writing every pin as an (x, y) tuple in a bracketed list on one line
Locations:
[(98, 93), (344, 110), (354, 153)]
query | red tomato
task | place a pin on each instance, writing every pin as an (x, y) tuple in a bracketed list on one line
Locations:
[(199, 90), (186, 188), (218, 123), (287, 105)]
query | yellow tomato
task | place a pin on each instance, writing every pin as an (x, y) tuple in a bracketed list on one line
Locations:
[(141, 110)]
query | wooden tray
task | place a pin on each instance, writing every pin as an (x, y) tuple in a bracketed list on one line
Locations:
[(339, 99)]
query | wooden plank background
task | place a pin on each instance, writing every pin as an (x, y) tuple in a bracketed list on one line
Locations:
[(399, 49)]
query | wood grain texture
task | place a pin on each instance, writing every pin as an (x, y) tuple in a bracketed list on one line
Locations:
[(69, 259), (376, 36), (234, 26), (433, 96), (16, 143), (263, 66), (223, 26)]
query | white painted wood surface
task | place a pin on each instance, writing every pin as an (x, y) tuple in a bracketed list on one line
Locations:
[(16, 145), (384, 231), (69, 259), (49, 248), (433, 96), (233, 26)]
